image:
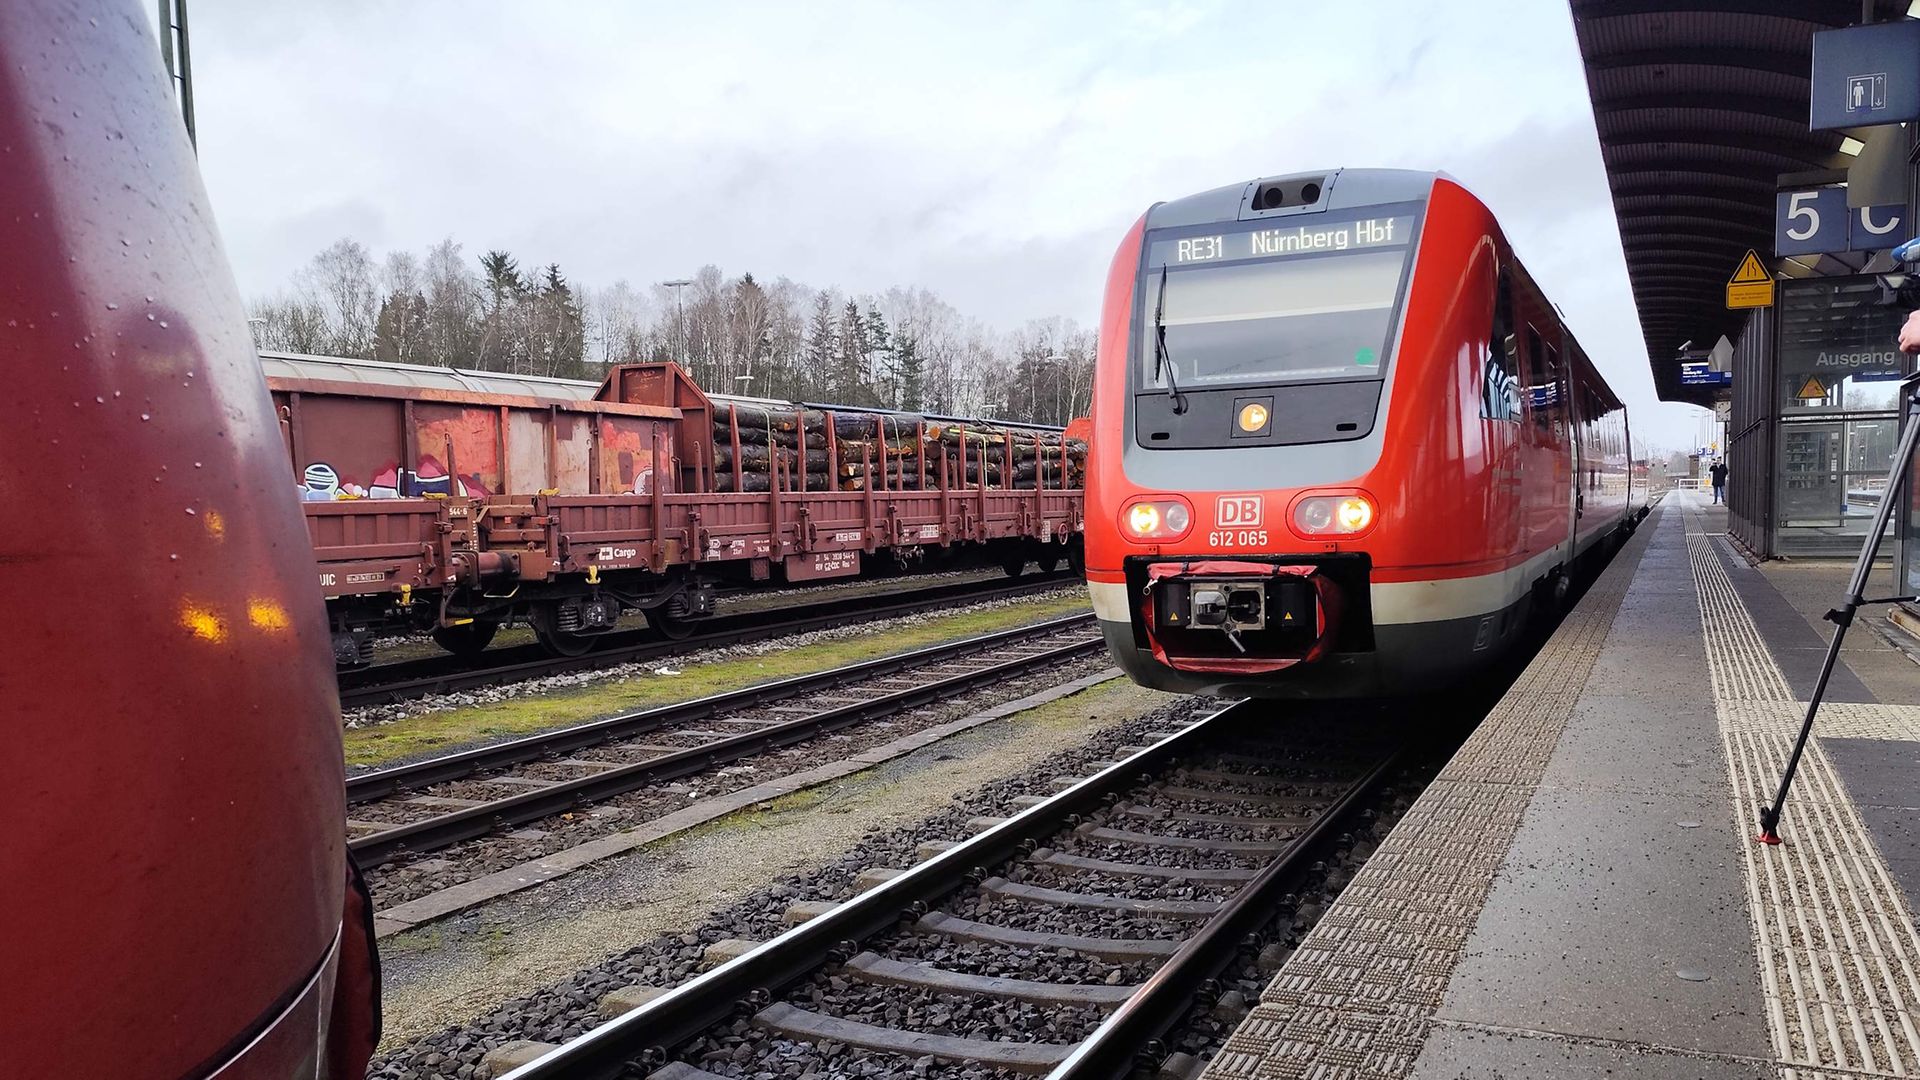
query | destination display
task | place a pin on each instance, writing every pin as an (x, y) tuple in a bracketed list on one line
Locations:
[(1284, 241)]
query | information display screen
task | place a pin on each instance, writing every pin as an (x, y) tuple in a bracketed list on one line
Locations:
[(1268, 304), (1283, 241)]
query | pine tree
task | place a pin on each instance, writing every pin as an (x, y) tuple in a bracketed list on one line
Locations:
[(563, 338), (503, 337), (817, 368), (908, 377), (503, 277), (852, 382)]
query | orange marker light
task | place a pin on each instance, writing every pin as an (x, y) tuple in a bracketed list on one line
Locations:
[(1253, 417)]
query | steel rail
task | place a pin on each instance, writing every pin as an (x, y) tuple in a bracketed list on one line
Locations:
[(444, 829), (385, 683), (381, 783), (749, 982), (1113, 1051)]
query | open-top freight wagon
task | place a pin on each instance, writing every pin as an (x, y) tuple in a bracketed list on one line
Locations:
[(456, 501)]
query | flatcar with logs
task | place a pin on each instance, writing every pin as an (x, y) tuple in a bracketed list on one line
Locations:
[(1343, 443), (454, 501)]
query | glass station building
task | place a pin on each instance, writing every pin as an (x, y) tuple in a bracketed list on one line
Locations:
[(1814, 419)]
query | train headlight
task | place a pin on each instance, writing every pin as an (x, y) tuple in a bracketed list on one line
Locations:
[(1143, 519), (1253, 417), (1157, 519), (1353, 513), (1333, 515)]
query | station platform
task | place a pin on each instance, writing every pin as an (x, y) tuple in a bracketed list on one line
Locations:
[(1579, 893)]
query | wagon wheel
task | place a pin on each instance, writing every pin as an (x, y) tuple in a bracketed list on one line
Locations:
[(1015, 565), (665, 623), (468, 639), (555, 641), (1049, 560)]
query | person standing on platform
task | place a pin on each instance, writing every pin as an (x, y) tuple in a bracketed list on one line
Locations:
[(1719, 474), (1910, 334)]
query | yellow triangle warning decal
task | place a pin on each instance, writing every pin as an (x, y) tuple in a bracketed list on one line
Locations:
[(1812, 388), (1288, 617), (1749, 270)]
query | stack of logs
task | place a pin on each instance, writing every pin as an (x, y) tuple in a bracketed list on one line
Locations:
[(887, 451)]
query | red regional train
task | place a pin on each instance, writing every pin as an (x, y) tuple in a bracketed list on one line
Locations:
[(1342, 443), (174, 876)]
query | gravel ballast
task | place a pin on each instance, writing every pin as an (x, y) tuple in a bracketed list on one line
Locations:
[(567, 1007)]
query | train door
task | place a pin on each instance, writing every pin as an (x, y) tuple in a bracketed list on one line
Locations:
[(1548, 487), (1502, 424), (1565, 441)]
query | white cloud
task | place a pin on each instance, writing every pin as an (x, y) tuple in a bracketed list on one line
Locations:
[(993, 152)]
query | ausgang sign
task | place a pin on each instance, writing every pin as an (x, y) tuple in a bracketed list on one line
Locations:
[(1750, 286)]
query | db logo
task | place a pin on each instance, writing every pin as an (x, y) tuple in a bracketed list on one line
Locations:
[(1237, 510)]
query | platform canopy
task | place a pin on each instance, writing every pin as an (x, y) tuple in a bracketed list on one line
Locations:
[(1701, 107)]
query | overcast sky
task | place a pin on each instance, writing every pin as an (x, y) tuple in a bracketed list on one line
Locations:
[(993, 153)]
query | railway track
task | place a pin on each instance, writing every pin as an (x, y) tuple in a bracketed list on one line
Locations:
[(1064, 940), (428, 805), (403, 680)]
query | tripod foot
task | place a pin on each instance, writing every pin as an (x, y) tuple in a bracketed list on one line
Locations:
[(1769, 837)]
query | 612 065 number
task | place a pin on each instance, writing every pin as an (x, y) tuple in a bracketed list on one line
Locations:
[(1237, 538)]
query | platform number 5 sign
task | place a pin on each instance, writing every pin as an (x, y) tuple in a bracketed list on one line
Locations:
[(1818, 220)]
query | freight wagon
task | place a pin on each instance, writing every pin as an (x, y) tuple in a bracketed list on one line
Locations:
[(455, 501)]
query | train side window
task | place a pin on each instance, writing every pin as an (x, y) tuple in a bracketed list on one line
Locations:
[(1500, 373), (1540, 382), (1556, 390)]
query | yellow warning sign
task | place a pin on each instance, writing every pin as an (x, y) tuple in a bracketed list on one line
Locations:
[(1812, 389), (1288, 617), (1750, 286)]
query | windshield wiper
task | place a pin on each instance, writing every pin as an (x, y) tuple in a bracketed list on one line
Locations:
[(1161, 358)]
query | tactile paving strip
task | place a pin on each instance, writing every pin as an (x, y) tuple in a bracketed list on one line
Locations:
[(1838, 950), (1356, 999), (1838, 719)]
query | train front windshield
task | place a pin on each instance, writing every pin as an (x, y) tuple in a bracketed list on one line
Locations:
[(1272, 305)]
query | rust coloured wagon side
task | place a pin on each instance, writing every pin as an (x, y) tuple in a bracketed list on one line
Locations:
[(455, 501)]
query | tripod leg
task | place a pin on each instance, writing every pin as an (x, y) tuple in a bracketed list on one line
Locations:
[(1770, 815), (1842, 618)]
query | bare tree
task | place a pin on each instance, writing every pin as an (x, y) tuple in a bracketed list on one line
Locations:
[(341, 279), (453, 301), (905, 348)]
